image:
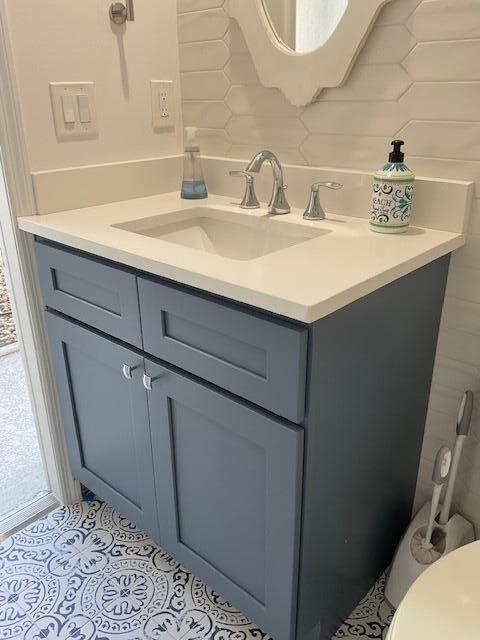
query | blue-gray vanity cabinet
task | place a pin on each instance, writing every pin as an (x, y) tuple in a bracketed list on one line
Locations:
[(228, 483), (102, 296), (291, 524), (105, 418), (254, 356)]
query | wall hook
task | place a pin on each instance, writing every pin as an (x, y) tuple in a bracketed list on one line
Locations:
[(120, 13)]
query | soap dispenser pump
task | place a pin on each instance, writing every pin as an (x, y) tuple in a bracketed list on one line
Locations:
[(193, 186), (392, 194)]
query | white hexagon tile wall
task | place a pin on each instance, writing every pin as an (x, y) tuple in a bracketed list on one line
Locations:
[(418, 78)]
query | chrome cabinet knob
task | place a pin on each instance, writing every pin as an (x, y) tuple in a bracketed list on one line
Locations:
[(250, 200), (127, 371), (148, 380), (314, 210)]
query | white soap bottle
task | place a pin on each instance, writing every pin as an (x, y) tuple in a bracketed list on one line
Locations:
[(392, 194)]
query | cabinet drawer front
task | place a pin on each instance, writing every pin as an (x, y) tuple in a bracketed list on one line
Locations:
[(256, 358), (105, 418), (228, 482), (99, 295)]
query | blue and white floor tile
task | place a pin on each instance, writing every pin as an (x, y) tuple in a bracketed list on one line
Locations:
[(86, 573), (371, 619)]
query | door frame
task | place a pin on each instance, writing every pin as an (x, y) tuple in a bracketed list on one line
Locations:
[(17, 249)]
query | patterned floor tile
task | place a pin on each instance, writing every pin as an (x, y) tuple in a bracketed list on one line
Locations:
[(142, 595), (14, 621), (87, 573), (55, 596), (190, 625), (77, 627), (43, 542), (226, 622), (371, 619), (125, 594), (46, 530), (100, 515)]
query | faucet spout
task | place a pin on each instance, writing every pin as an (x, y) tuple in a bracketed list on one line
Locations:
[(278, 202)]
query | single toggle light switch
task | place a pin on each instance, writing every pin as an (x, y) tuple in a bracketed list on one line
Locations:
[(84, 108), (68, 110)]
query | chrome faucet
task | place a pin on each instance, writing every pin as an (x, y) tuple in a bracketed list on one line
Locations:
[(278, 202)]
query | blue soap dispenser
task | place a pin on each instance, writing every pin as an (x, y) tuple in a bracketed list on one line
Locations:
[(193, 185)]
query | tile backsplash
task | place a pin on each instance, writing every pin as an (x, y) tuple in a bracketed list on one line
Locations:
[(418, 78)]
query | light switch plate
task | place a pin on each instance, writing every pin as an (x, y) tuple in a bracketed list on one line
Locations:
[(63, 93), (163, 104)]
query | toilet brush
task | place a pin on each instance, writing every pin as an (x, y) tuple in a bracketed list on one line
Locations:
[(463, 427), (426, 540), (423, 550)]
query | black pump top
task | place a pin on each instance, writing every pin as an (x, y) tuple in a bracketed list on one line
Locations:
[(397, 155)]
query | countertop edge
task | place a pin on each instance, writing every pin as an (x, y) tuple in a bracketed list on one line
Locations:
[(289, 309)]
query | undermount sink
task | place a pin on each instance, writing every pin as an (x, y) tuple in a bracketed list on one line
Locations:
[(237, 236)]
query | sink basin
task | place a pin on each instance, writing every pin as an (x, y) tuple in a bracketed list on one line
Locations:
[(237, 236)]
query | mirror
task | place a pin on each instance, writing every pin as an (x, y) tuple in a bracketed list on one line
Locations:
[(304, 46), (304, 25)]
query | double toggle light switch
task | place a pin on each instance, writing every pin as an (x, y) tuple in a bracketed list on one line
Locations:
[(73, 109), (83, 109)]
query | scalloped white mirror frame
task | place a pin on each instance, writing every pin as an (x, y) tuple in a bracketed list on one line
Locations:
[(301, 76)]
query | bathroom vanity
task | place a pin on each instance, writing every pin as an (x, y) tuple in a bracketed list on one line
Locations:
[(272, 452)]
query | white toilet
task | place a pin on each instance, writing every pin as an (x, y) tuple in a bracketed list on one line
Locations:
[(444, 602)]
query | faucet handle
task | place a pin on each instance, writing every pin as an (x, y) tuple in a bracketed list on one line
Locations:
[(240, 174), (314, 210), (328, 184), (250, 200)]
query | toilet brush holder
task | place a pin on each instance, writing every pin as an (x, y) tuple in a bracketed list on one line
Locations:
[(405, 568)]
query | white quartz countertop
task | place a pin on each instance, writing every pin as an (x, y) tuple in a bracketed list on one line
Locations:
[(304, 282)]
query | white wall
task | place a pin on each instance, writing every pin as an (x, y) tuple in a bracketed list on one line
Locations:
[(418, 78), (73, 40)]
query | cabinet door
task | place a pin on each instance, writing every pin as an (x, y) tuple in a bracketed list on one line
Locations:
[(228, 480), (105, 418)]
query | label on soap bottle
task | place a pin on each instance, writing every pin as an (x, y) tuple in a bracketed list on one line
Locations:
[(392, 198)]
